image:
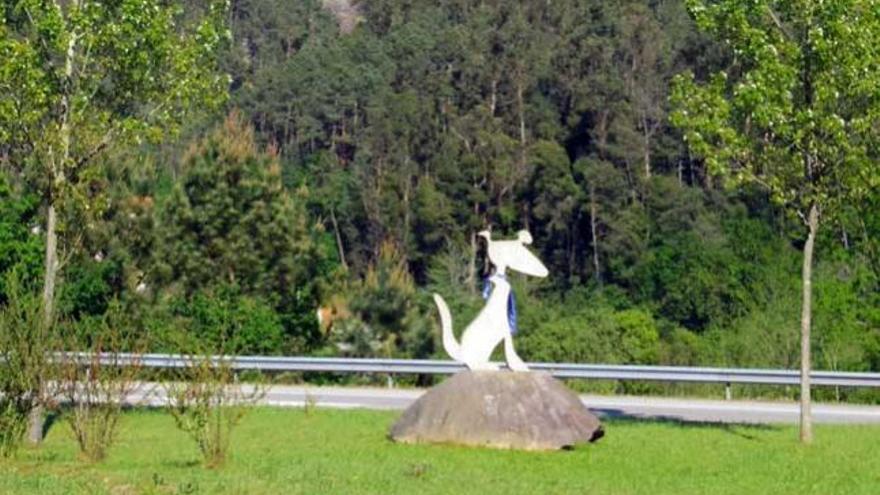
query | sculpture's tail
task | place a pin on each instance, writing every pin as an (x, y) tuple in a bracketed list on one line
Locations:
[(449, 343)]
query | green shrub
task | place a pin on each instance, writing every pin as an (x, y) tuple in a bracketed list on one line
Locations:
[(593, 334), (222, 320), (207, 403), (95, 391), (25, 369)]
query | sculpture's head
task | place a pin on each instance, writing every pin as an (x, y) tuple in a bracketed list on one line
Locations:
[(514, 254)]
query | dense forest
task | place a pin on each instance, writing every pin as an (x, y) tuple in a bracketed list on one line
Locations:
[(360, 146)]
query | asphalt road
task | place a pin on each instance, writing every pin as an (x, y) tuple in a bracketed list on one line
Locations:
[(691, 410)]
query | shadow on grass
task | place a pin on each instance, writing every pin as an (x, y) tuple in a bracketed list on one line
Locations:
[(183, 464), (50, 419), (618, 416)]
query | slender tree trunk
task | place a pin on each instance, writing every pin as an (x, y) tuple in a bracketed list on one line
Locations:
[(407, 216), (51, 265), (472, 266), (806, 316), (594, 234), (35, 426), (572, 259), (521, 113), (493, 97), (602, 133), (338, 235), (646, 155)]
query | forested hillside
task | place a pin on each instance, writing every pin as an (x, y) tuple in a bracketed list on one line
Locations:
[(363, 145)]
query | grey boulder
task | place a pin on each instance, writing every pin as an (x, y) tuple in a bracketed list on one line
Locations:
[(528, 411)]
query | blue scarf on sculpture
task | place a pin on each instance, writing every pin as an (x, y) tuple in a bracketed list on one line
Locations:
[(511, 302)]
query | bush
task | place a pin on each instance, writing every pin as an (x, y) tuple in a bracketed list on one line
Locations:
[(592, 334), (207, 403), (96, 390), (384, 314), (25, 369), (223, 320)]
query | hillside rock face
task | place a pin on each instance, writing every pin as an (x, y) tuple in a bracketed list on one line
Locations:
[(347, 14), (528, 411)]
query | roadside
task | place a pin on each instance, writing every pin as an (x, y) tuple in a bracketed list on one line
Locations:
[(655, 408)]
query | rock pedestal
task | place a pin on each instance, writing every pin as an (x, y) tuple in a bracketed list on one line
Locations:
[(529, 411)]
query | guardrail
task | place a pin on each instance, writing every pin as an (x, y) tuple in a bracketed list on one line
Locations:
[(560, 370)]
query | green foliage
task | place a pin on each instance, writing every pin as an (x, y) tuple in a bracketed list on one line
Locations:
[(121, 71), (226, 321), (77, 81), (798, 118), (586, 329), (25, 369), (90, 286), (843, 322), (96, 391), (84, 78), (386, 316), (19, 242), (766, 337), (207, 404), (230, 221)]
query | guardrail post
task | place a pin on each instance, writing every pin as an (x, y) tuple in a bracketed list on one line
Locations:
[(390, 380), (728, 393)]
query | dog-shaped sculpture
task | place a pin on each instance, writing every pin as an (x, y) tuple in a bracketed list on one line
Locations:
[(492, 326)]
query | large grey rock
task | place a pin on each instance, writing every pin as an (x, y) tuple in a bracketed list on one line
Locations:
[(531, 411)]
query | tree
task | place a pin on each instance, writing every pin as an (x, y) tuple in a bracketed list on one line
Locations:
[(230, 221), (796, 113), (83, 76), (78, 77), (555, 205)]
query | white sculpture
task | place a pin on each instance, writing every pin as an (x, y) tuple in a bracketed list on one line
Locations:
[(492, 325)]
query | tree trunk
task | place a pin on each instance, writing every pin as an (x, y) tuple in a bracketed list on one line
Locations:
[(472, 265), (593, 233), (35, 427), (602, 133), (806, 316), (493, 97), (521, 111), (51, 266), (339, 245), (646, 152), (407, 214)]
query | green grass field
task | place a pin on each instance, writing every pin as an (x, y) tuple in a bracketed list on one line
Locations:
[(330, 451)]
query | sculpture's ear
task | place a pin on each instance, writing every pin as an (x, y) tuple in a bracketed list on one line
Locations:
[(522, 260), (524, 237)]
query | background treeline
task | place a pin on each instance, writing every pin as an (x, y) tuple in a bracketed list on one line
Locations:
[(367, 143)]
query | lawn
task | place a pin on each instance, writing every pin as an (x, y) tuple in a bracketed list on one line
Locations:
[(333, 451)]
